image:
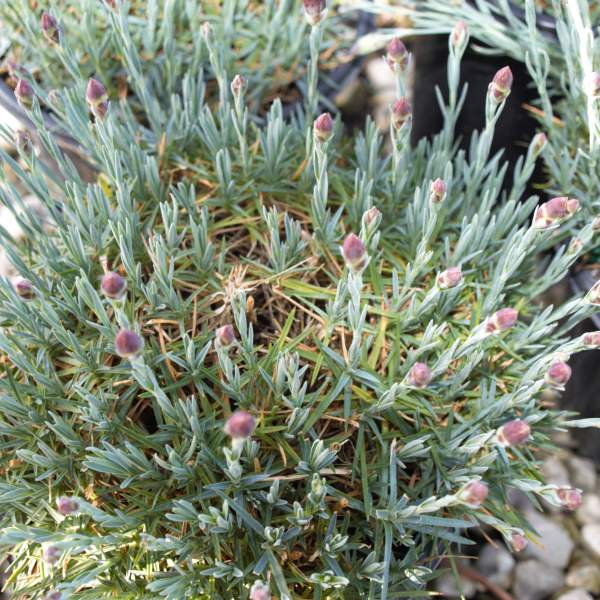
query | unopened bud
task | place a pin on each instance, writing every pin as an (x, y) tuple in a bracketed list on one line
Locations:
[(323, 128), (54, 98), (593, 296), (513, 433), (449, 278), (24, 288), (113, 285), (24, 94), (51, 554), (591, 339), (97, 98), (315, 11), (558, 374), (240, 425), (372, 217), (518, 542), (225, 335), (23, 141), (260, 591), (67, 506), (459, 35), (50, 28), (501, 85), (539, 142), (207, 31), (593, 84), (128, 344), (354, 252), (420, 375), (575, 246), (502, 320), (570, 498), (552, 213), (596, 224), (401, 113), (438, 190), (238, 85), (15, 70), (53, 596), (397, 55), (474, 493)]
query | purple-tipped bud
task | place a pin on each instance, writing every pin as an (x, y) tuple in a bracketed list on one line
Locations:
[(50, 28), (51, 554), (552, 213), (238, 85), (67, 506), (97, 98), (449, 278), (23, 141), (501, 85), (128, 344), (260, 591), (401, 113), (315, 11), (513, 433), (558, 374), (459, 35), (420, 375), (24, 288), (591, 339), (502, 320), (593, 296), (24, 93), (113, 285), (323, 128), (15, 70), (438, 190), (593, 84), (539, 142), (225, 335), (397, 55), (474, 493), (518, 542), (354, 252), (570, 498), (372, 217), (240, 425)]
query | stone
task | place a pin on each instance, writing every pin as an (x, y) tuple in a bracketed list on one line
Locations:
[(555, 472), (447, 586), (536, 580), (586, 577), (590, 536), (578, 594), (589, 511), (553, 546), (583, 473), (497, 564)]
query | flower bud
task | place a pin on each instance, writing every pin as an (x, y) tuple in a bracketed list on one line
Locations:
[(15, 70), (54, 98), (24, 94), (552, 213), (323, 128), (513, 433), (354, 252), (315, 11), (593, 296), (539, 143), (438, 190), (113, 285), (502, 320), (570, 498), (53, 596), (372, 217), (24, 288), (207, 31), (238, 85), (401, 113), (593, 84), (67, 506), (225, 335), (50, 28), (260, 591), (558, 374), (51, 554), (449, 278), (459, 35), (420, 375), (97, 98), (501, 85), (575, 246), (240, 425), (474, 493), (128, 344), (591, 339), (23, 141), (596, 224), (397, 55), (518, 542)]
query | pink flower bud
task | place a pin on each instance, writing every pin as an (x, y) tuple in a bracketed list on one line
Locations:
[(97, 98), (397, 55), (570, 498), (401, 113), (474, 493), (260, 591), (314, 11), (15, 70), (438, 190), (501, 85), (518, 542), (593, 84), (207, 31), (67, 506), (596, 224), (238, 85), (240, 425), (459, 35), (24, 288), (24, 94), (420, 375), (354, 253), (558, 374), (575, 246), (372, 216), (225, 335), (552, 213), (113, 285), (51, 554), (23, 141), (539, 142), (502, 320), (591, 339), (323, 128), (593, 296), (50, 28), (449, 278), (128, 344), (513, 433)]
